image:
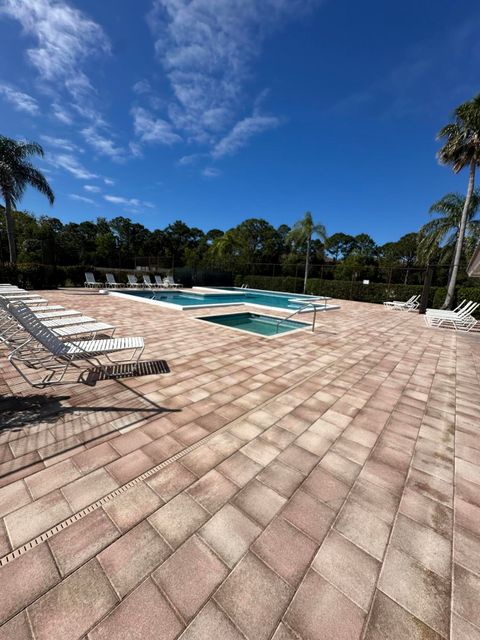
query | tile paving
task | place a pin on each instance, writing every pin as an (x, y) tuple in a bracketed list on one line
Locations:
[(332, 490)]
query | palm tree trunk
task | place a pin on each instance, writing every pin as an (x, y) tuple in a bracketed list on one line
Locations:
[(307, 264), (461, 235), (10, 230)]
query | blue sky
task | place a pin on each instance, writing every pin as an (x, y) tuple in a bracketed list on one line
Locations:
[(212, 111)]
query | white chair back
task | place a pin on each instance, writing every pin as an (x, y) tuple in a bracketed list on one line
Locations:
[(90, 278), (132, 279), (110, 278), (147, 280), (42, 334)]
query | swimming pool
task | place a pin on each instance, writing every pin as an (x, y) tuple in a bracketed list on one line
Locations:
[(213, 297), (261, 325)]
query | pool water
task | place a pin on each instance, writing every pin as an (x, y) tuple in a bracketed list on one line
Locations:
[(256, 323), (222, 297)]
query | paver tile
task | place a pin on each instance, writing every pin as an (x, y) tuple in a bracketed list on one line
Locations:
[(229, 532), (82, 540), (25, 579), (320, 611), (170, 480), (284, 480), (285, 549), (178, 519), (190, 575), (254, 598), (364, 528), (89, 488), (259, 502), (419, 590), (347, 567), (129, 620), (132, 506), (390, 621), (211, 623), (69, 610), (213, 490), (309, 515), (466, 594), (133, 556), (33, 519)]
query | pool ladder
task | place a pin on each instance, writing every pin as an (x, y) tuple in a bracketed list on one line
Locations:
[(299, 310)]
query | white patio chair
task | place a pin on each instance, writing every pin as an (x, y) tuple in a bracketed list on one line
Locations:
[(90, 281), (111, 282), (133, 282), (44, 350), (159, 282), (170, 283), (398, 305), (147, 281)]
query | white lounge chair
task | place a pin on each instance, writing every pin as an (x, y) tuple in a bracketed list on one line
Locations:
[(170, 283), (44, 350), (133, 282), (462, 319), (410, 304), (147, 281), (159, 282), (111, 283), (90, 281)]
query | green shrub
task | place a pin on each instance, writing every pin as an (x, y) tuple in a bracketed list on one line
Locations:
[(340, 289)]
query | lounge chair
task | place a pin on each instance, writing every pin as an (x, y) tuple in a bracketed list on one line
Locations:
[(133, 282), (44, 350), (456, 319), (111, 283), (147, 281), (170, 283), (409, 305), (90, 281), (159, 282)]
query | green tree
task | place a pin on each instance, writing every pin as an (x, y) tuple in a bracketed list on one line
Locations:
[(442, 232), (339, 245), (461, 149), (301, 236), (16, 174)]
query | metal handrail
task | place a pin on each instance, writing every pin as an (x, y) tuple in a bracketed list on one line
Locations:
[(310, 303)]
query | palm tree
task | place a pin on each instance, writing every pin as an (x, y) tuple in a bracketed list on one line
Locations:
[(461, 149), (443, 230), (16, 174), (301, 235)]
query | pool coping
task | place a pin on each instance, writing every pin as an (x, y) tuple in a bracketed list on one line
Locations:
[(179, 307)]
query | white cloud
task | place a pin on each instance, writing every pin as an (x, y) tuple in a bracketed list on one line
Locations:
[(211, 172), (109, 181), (105, 146), (64, 36), (142, 86), (207, 49), (132, 202), (242, 132), (61, 114), (91, 188), (151, 129), (21, 101), (61, 143), (69, 163), (75, 196), (185, 161)]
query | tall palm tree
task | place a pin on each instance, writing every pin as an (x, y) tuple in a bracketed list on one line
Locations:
[(461, 149), (301, 234), (443, 230), (16, 174)]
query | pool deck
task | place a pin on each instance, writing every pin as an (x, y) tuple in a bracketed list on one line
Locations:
[(312, 487)]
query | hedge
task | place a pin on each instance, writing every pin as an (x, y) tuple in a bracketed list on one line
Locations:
[(342, 290)]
